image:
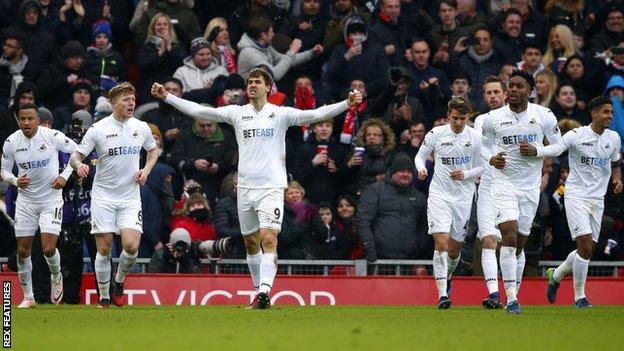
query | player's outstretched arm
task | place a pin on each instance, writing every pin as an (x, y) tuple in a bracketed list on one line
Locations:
[(190, 108), (7, 167), (556, 149), (328, 111), (75, 160)]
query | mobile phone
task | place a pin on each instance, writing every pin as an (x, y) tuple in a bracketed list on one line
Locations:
[(209, 159)]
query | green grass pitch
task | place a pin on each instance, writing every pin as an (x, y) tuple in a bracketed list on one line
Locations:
[(177, 328)]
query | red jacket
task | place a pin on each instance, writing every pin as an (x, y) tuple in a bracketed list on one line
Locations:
[(199, 231)]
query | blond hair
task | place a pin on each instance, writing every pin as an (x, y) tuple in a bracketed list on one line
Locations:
[(123, 88), (217, 22), (551, 80), (389, 138), (150, 28), (566, 38), (295, 185)]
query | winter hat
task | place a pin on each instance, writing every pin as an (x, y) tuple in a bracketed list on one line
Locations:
[(155, 130), (45, 115), (355, 23), (402, 162), (84, 117), (198, 44), (73, 48), (234, 81), (180, 234), (101, 26), (82, 83), (103, 108)]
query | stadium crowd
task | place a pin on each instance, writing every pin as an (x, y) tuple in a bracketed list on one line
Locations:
[(353, 192)]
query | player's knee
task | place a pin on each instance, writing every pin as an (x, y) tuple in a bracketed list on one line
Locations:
[(104, 251), (23, 251), (49, 251), (489, 242), (442, 244), (269, 241)]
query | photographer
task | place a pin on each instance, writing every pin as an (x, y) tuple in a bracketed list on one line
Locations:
[(180, 255)]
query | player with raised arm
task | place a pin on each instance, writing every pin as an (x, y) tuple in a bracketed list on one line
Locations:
[(115, 197), (594, 157), (494, 96), (260, 129), (34, 149), (515, 178), (457, 164)]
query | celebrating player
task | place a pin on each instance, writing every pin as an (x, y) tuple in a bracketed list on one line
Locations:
[(457, 164), (39, 202), (594, 154), (260, 131), (116, 200), (516, 179), (494, 95)]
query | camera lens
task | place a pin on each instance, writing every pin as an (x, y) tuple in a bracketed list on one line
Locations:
[(180, 246)]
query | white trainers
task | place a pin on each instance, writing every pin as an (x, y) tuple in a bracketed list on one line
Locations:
[(56, 290), (27, 303)]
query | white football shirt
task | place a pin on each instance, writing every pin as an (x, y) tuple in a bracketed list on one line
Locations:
[(486, 178), (452, 151), (260, 136), (118, 146), (589, 157), (504, 129), (36, 157)]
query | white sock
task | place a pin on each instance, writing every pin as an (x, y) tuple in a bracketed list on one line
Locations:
[(253, 262), (565, 267), (54, 263), (579, 273), (521, 262), (490, 269), (268, 268), (440, 271), (509, 264), (126, 261), (452, 264), (102, 274), (24, 273)]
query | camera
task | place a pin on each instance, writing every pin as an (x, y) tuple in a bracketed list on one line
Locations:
[(181, 247), (212, 248), (75, 131), (155, 40)]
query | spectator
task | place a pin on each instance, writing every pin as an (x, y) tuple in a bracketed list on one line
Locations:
[(176, 256), (218, 36), (205, 153), (560, 47), (49, 17), (187, 25), (545, 85), (328, 240), (402, 109), (508, 43), (81, 99), (430, 85), (565, 104), (358, 59), (55, 81), (46, 118), (226, 220), (255, 49), (615, 91), (468, 16), (416, 134), (461, 85), (586, 85), (345, 221), (196, 217), (169, 120), (478, 60), (105, 65), (25, 93), (370, 166), (334, 28), (14, 66), (240, 22), (531, 60), (565, 12), (611, 35), (445, 37), (200, 69), (392, 215), (535, 25), (40, 44), (389, 32), (317, 161), (160, 55), (295, 224)]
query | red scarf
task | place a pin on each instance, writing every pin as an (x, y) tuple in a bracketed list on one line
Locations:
[(348, 127), (384, 17), (228, 57), (304, 100)]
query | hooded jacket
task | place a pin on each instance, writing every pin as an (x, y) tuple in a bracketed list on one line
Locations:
[(394, 218), (8, 116), (617, 124), (193, 78), (41, 44), (252, 54)]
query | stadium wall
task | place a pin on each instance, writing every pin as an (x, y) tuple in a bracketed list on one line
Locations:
[(164, 289)]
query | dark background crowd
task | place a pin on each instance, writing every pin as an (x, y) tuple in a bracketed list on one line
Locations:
[(347, 198)]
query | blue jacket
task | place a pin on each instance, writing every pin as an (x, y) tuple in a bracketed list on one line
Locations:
[(617, 124)]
